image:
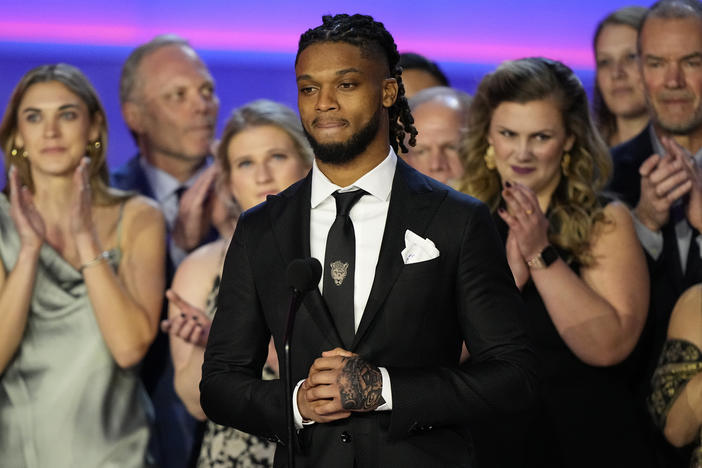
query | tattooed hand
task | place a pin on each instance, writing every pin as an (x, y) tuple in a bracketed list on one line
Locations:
[(360, 385), (338, 383)]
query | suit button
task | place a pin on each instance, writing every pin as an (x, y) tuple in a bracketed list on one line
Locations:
[(345, 437)]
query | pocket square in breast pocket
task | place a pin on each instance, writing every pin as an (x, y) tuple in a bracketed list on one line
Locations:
[(418, 249)]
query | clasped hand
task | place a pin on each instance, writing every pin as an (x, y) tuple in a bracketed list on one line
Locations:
[(339, 383)]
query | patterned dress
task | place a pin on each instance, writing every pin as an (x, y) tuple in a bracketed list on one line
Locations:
[(680, 361), (228, 447)]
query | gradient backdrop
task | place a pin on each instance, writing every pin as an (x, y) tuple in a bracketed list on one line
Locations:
[(250, 46)]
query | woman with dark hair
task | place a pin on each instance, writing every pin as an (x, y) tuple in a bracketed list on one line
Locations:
[(81, 282), (263, 150), (534, 156), (619, 103)]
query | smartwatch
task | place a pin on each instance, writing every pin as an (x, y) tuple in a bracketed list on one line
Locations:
[(543, 259)]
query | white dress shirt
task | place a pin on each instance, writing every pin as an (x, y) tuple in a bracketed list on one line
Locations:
[(164, 187), (368, 216)]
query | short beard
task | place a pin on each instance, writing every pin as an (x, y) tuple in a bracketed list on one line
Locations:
[(681, 128), (346, 151)]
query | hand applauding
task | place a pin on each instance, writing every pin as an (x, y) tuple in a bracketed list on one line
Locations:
[(28, 222)]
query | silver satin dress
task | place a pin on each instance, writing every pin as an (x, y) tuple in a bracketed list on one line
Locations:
[(64, 402)]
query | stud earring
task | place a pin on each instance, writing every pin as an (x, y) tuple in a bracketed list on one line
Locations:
[(17, 152)]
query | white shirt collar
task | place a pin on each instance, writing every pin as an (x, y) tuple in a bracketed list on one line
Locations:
[(377, 182), (162, 183)]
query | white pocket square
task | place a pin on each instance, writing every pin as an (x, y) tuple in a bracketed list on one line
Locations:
[(418, 249)]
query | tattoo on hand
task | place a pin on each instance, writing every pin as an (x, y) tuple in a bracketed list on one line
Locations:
[(360, 385)]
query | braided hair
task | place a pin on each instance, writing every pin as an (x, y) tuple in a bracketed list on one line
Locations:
[(372, 38)]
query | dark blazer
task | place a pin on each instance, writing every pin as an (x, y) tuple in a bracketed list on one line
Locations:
[(416, 317), (667, 279), (176, 433)]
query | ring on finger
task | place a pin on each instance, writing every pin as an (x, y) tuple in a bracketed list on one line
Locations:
[(530, 211)]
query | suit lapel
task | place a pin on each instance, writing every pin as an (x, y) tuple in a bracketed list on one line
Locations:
[(290, 221), (413, 204)]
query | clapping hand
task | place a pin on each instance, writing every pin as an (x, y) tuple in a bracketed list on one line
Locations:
[(192, 325), (195, 211), (528, 227), (693, 209), (81, 221), (28, 222), (664, 179)]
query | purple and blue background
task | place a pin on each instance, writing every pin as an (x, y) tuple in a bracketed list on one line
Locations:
[(250, 46)]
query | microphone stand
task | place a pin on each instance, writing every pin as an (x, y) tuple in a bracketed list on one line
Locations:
[(295, 301)]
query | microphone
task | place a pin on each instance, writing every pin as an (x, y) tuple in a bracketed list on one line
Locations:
[(303, 275)]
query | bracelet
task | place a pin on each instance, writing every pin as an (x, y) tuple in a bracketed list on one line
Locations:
[(102, 257)]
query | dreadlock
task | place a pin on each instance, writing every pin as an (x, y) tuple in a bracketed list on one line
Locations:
[(372, 38)]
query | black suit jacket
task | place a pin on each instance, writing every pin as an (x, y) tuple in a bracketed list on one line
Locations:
[(176, 432), (415, 320), (667, 279)]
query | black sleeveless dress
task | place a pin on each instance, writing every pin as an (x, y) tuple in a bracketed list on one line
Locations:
[(585, 416)]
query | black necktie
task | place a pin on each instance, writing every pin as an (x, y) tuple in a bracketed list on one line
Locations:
[(179, 194), (339, 264)]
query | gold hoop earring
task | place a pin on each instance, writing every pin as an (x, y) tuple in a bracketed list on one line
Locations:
[(489, 158), (565, 164)]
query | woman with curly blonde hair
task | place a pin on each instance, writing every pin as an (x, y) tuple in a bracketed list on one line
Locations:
[(533, 155)]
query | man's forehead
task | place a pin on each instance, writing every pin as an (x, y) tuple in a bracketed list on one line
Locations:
[(671, 33), (335, 58), (171, 61)]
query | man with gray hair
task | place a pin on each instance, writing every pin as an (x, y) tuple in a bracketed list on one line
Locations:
[(440, 116), (169, 104), (659, 171)]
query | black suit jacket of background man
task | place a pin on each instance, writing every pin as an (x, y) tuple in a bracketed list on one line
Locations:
[(176, 433), (416, 317), (668, 282)]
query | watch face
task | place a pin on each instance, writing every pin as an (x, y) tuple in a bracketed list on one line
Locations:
[(549, 255)]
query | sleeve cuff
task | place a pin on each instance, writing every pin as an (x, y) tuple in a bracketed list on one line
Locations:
[(651, 241), (387, 391), (299, 423)]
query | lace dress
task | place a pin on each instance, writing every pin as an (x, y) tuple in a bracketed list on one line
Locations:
[(228, 447)]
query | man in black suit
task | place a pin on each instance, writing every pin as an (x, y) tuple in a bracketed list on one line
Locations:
[(169, 104), (381, 385), (658, 172)]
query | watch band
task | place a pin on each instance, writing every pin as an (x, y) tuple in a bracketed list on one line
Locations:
[(543, 259)]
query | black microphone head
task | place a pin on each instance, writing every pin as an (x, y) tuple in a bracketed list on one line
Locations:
[(304, 274)]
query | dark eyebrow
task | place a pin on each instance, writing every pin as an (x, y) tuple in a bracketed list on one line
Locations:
[(693, 55), (348, 70), (63, 107), (338, 73)]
